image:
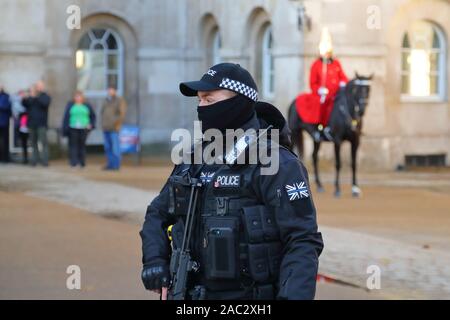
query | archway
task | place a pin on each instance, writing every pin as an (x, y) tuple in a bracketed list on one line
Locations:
[(105, 54)]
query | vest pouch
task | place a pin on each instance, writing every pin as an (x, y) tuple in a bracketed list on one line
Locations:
[(221, 248), (275, 254), (179, 194), (253, 224), (258, 262), (263, 292), (269, 225), (260, 225)]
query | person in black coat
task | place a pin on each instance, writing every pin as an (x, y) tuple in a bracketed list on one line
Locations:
[(255, 233), (5, 115), (78, 121), (37, 104)]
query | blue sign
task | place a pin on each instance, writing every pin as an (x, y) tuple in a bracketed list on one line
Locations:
[(129, 139)]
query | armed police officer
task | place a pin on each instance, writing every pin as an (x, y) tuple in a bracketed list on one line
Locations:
[(227, 230)]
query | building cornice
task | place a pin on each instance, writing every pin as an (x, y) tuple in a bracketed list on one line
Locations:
[(358, 51)]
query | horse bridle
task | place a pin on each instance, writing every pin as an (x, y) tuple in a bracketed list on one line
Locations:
[(354, 121)]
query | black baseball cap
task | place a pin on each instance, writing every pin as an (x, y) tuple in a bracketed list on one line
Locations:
[(228, 76)]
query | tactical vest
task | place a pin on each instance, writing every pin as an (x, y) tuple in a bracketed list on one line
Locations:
[(238, 241)]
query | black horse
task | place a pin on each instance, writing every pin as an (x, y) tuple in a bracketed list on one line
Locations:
[(345, 124)]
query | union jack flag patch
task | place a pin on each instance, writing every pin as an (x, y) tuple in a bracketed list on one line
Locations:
[(297, 191), (206, 177)]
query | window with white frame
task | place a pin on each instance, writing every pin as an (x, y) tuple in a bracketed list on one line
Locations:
[(267, 61), (423, 61), (216, 46), (99, 62)]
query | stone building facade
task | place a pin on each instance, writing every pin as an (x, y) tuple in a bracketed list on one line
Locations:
[(146, 47)]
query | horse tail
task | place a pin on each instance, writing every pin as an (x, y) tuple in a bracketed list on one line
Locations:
[(293, 117), (294, 123)]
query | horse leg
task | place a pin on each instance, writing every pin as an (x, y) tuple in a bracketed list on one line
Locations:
[(337, 155), (356, 191), (316, 167)]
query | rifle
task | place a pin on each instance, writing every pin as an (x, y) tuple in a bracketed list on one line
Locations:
[(181, 262)]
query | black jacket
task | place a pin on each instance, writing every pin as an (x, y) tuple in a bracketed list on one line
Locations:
[(5, 109), (296, 217), (37, 108)]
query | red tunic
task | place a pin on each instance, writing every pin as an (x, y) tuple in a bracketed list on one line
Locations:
[(308, 105)]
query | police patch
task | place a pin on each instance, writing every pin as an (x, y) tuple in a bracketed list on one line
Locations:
[(227, 181), (297, 191)]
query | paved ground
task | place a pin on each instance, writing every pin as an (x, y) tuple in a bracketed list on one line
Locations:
[(404, 230), (39, 239)]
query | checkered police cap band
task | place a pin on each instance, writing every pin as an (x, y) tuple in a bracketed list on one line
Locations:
[(239, 87)]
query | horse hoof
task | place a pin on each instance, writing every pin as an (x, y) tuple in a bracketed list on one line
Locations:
[(356, 192), (337, 194), (320, 189)]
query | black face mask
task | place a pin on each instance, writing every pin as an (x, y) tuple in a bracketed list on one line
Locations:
[(232, 113)]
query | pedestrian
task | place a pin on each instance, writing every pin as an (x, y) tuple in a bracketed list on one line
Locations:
[(5, 115), (78, 121), (23, 135), (113, 115), (21, 122), (37, 104), (254, 235)]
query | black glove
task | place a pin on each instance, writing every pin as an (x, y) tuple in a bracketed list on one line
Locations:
[(155, 276)]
